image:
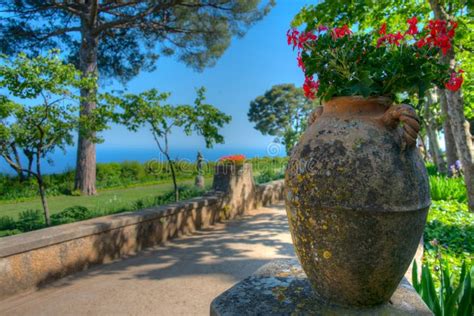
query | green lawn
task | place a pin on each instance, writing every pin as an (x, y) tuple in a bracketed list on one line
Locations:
[(105, 200)]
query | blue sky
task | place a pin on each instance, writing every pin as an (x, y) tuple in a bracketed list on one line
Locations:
[(249, 67)]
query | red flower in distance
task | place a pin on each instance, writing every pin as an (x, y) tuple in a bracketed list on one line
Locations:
[(232, 158), (339, 32), (412, 29), (383, 29), (310, 87), (455, 82)]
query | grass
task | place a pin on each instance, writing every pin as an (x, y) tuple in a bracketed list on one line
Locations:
[(106, 199)]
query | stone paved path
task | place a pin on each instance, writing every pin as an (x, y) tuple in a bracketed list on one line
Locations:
[(179, 278)]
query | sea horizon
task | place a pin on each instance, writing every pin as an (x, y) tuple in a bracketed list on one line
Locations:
[(61, 162)]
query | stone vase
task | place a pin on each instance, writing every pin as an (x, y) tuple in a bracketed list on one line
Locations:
[(357, 197)]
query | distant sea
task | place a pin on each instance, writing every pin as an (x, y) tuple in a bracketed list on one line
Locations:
[(60, 161)]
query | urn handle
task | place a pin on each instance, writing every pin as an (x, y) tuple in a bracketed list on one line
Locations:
[(406, 115), (314, 115)]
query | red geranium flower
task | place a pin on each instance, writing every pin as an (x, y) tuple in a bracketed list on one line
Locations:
[(300, 61), (339, 32), (383, 29), (439, 35), (390, 38), (322, 28), (298, 39), (412, 29), (293, 37), (310, 87), (456, 80)]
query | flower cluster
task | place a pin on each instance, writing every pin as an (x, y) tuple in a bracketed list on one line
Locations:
[(234, 159), (337, 56), (456, 80), (440, 35), (298, 39), (339, 32)]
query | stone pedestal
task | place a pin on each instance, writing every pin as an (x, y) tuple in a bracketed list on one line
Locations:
[(282, 288), (237, 182)]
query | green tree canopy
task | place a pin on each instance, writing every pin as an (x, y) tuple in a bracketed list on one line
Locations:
[(117, 39), (150, 109), (282, 112), (130, 35)]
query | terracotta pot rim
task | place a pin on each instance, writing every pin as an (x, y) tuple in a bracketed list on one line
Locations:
[(358, 99)]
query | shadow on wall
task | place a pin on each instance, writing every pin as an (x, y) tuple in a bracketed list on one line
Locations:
[(234, 250)]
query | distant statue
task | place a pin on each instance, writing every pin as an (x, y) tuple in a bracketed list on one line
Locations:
[(199, 182)]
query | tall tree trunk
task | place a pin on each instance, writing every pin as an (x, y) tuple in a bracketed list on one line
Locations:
[(451, 154), (86, 151), (42, 192), (432, 133), (463, 140), (459, 125)]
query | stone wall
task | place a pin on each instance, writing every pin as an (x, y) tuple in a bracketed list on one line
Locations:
[(32, 259)]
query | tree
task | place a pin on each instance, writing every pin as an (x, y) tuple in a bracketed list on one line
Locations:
[(40, 129), (282, 112), (370, 14), (118, 38), (147, 109), (8, 146)]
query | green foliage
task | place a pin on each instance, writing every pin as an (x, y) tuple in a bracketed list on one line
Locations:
[(71, 214), (30, 220), (449, 234), (130, 34), (268, 175), (450, 298), (33, 219), (39, 129), (282, 112), (147, 109), (444, 188), (432, 170), (7, 223), (354, 65), (369, 14)]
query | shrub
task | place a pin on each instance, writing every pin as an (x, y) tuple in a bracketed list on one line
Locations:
[(449, 236), (30, 220), (131, 171), (443, 188), (7, 223), (71, 214)]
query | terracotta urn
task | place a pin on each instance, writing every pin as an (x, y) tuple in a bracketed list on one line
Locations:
[(357, 197)]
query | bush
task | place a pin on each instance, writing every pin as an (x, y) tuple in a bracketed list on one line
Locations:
[(444, 188), (30, 220), (71, 214), (449, 234), (131, 171), (7, 223)]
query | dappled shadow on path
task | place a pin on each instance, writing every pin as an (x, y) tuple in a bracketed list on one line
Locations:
[(233, 250)]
